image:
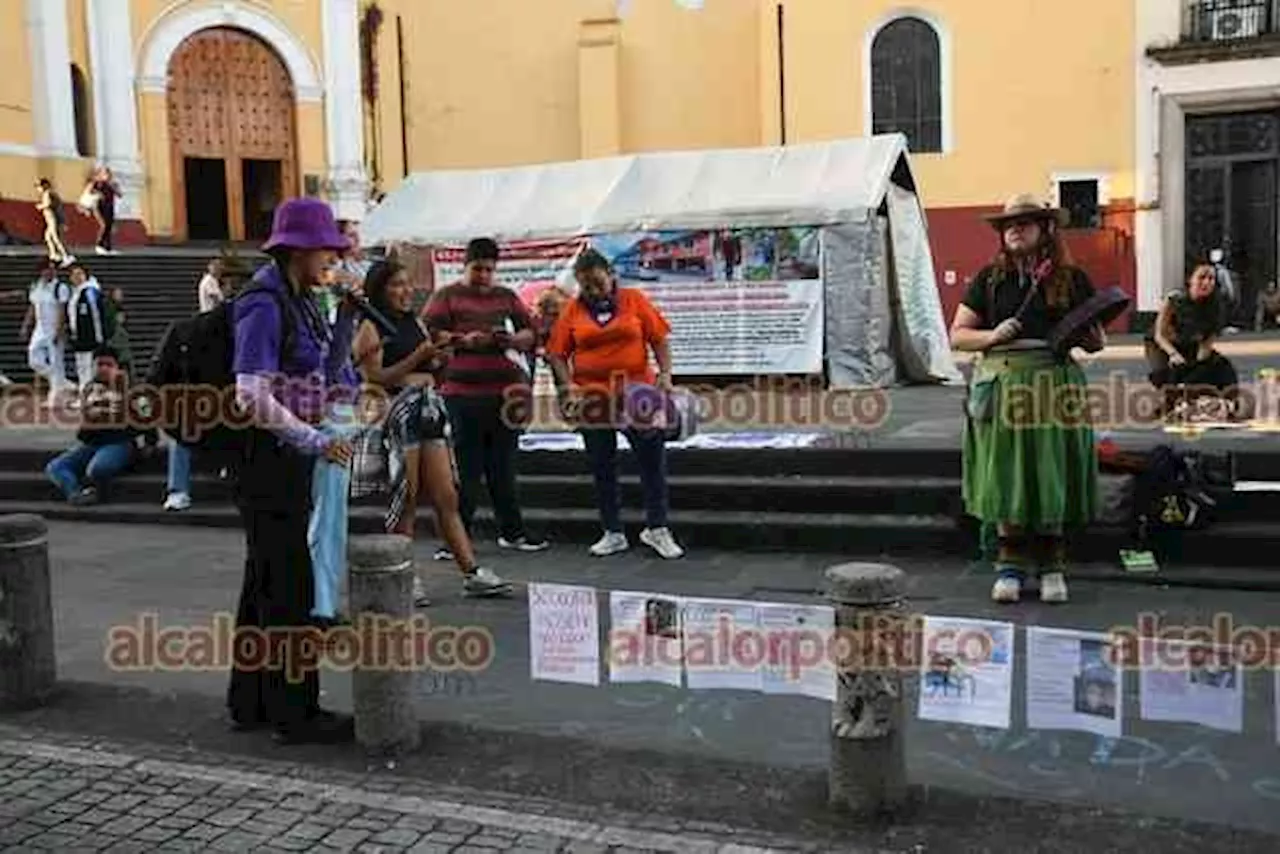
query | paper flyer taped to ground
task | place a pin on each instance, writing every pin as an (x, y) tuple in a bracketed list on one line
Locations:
[(1072, 682), (800, 661), (1182, 682), (564, 634), (645, 638), (966, 672), (723, 648)]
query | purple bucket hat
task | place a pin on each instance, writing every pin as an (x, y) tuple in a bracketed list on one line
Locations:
[(306, 224)]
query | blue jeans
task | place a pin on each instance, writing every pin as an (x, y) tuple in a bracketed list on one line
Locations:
[(179, 468), (88, 465), (327, 533), (650, 448)]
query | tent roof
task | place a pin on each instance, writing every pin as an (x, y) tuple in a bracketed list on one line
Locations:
[(812, 184)]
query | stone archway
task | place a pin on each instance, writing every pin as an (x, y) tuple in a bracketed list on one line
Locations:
[(232, 133)]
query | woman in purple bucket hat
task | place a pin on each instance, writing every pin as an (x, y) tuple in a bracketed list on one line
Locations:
[(281, 333)]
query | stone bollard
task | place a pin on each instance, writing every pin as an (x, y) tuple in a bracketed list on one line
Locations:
[(383, 686), (28, 664), (868, 774)]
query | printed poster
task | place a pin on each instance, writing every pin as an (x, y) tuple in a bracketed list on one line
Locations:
[(723, 648), (740, 301), (801, 643), (645, 638), (564, 634), (966, 672), (1182, 682), (1072, 682)]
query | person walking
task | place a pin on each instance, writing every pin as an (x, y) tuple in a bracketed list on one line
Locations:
[(50, 207), (606, 336), (100, 197), (486, 387), (46, 324), (88, 321), (1034, 474), (279, 330)]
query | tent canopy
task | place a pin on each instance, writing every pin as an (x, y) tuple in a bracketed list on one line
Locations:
[(812, 184)]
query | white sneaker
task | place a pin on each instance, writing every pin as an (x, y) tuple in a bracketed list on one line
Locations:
[(420, 597), (100, 250), (177, 501), (1006, 590), (1053, 588), (485, 582), (661, 541), (612, 543)]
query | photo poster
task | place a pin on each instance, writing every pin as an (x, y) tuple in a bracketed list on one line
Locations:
[(1072, 682), (645, 638), (966, 672), (1187, 682), (739, 301), (801, 645), (723, 646), (564, 634)]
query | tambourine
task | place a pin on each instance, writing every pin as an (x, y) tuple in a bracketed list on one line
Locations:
[(1099, 310)]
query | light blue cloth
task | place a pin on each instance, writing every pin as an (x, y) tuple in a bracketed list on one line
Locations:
[(327, 533), (179, 468)]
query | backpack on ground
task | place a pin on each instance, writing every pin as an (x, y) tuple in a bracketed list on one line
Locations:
[(192, 374)]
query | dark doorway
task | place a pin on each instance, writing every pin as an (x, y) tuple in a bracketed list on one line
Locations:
[(261, 189), (206, 197), (1232, 163)]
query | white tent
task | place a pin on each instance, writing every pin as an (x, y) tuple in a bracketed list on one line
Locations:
[(877, 267)]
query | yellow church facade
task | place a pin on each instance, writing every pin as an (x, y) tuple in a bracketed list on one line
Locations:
[(210, 111)]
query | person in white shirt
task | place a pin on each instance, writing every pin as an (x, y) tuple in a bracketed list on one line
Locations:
[(46, 324), (210, 292)]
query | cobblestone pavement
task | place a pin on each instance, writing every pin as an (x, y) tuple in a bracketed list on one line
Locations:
[(67, 795)]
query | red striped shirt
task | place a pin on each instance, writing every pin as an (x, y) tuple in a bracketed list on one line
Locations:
[(461, 308)]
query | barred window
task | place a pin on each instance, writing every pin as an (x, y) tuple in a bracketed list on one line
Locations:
[(906, 83)]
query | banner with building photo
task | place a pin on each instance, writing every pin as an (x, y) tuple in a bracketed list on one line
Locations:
[(740, 302)]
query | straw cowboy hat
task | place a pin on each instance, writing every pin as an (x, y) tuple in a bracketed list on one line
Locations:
[(1026, 207)]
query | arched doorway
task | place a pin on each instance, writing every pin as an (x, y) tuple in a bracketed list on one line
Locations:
[(233, 135)]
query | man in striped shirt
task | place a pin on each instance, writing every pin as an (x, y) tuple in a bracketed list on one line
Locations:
[(486, 387)]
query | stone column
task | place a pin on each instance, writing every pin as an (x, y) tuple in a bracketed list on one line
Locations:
[(52, 108), (28, 665), (868, 759), (344, 109), (115, 106), (383, 682)]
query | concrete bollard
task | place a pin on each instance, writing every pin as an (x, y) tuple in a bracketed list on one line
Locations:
[(383, 687), (28, 663), (868, 775)]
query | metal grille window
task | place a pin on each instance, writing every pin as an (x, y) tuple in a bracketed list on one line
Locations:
[(1228, 20), (906, 83)]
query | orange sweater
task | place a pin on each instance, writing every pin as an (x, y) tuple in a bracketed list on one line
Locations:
[(606, 358)]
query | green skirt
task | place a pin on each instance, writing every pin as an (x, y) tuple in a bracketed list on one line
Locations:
[(1029, 457)]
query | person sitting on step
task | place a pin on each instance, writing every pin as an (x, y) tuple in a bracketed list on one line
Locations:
[(1198, 381)]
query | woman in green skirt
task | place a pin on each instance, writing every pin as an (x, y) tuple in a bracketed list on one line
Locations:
[(1030, 467)]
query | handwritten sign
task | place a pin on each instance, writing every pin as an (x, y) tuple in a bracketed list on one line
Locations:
[(564, 634)]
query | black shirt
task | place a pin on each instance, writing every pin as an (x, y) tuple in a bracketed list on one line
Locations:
[(995, 297)]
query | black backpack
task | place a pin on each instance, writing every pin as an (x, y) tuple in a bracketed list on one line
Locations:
[(192, 375)]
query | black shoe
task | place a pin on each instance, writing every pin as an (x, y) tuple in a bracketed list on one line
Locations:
[(246, 723), (86, 497), (524, 543), (320, 728), (328, 624)]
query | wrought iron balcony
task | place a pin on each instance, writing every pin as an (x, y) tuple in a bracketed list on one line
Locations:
[(1229, 20)]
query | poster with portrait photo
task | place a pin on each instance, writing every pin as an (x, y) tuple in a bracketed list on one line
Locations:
[(1183, 682), (966, 672), (1072, 682), (645, 643)]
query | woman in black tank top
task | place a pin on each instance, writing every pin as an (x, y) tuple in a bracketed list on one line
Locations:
[(403, 365)]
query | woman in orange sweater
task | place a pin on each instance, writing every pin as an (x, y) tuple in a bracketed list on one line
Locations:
[(605, 336)]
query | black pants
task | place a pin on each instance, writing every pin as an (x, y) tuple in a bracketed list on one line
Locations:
[(108, 214), (486, 446), (273, 492)]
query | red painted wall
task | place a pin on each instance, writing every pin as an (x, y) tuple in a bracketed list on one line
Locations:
[(964, 242), (22, 220)]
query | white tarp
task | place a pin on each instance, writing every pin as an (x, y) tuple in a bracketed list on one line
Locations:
[(815, 184)]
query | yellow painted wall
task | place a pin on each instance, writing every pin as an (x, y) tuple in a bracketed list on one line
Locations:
[(302, 17), (15, 83), (1038, 86)]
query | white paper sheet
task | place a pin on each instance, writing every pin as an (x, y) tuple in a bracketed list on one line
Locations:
[(800, 659), (564, 634), (644, 638), (966, 672), (723, 648), (1181, 682), (1072, 682)]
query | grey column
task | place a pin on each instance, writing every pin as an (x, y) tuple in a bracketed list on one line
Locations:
[(28, 664), (868, 775), (383, 682)]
